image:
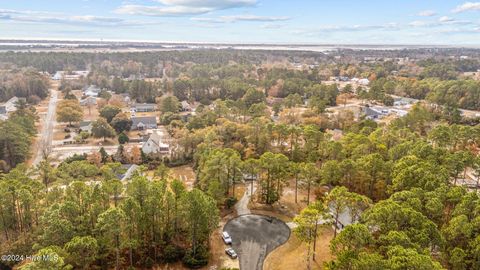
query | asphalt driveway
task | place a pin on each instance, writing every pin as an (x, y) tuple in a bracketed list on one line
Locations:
[(254, 236)]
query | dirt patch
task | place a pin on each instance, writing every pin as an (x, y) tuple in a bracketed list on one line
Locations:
[(292, 254), (185, 174)]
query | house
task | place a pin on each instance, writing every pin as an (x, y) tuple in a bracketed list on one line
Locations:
[(156, 144), (403, 101), (144, 123), (129, 170), (8, 107), (185, 106), (91, 91), (372, 114), (364, 82), (88, 101), (85, 126), (74, 75), (145, 107)]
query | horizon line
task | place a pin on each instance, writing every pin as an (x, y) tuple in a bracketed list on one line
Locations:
[(4, 39)]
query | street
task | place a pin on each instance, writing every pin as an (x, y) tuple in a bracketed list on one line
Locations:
[(46, 135)]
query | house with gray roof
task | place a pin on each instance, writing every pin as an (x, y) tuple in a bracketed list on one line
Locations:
[(156, 144), (372, 114), (85, 126), (144, 123), (145, 107)]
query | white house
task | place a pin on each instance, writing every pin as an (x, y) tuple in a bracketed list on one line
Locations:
[(89, 100), (364, 82), (156, 144), (8, 107), (91, 91), (74, 75)]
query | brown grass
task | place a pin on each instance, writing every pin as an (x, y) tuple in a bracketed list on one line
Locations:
[(292, 254), (185, 174)]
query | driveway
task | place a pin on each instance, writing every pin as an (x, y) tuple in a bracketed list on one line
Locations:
[(242, 205), (46, 135), (254, 236)]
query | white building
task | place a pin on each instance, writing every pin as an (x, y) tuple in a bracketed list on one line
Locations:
[(156, 144), (8, 107), (74, 75), (91, 91)]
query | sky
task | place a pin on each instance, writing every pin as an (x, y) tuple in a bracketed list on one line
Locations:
[(425, 22)]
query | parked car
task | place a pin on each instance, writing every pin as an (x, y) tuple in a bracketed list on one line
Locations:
[(231, 253), (226, 238)]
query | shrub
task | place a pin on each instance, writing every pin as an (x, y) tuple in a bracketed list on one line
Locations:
[(197, 261), (123, 138), (172, 253), (230, 201)]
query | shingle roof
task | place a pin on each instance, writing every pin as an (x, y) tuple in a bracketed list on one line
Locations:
[(85, 123), (145, 105), (146, 120), (371, 112)]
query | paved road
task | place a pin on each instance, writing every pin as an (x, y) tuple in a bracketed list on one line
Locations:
[(62, 152), (242, 205), (46, 136), (254, 236)]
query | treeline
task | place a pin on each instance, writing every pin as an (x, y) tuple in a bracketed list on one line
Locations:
[(149, 61), (26, 83), (95, 221), (463, 94), (16, 136)]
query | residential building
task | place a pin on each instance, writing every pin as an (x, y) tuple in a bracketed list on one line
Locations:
[(88, 101), (85, 126), (92, 91), (8, 107), (372, 114), (145, 107), (144, 123), (156, 144), (74, 75)]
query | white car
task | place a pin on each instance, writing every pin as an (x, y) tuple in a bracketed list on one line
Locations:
[(230, 252), (226, 238)]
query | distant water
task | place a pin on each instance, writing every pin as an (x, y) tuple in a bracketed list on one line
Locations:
[(47, 45)]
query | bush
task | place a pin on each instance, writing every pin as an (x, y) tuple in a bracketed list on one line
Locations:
[(172, 253), (149, 262), (84, 135), (123, 138), (230, 201), (200, 259)]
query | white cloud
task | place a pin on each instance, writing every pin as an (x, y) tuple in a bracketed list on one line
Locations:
[(446, 19), (443, 21), (427, 13), (29, 16), (216, 4), (420, 24), (183, 7), (468, 6), (161, 11), (345, 29), (245, 18)]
